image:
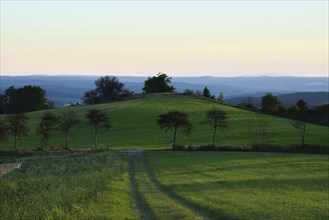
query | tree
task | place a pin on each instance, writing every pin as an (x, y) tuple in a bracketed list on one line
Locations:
[(301, 127), (99, 121), (302, 105), (220, 98), (270, 103), (206, 92), (16, 124), (158, 84), (108, 88), (259, 132), (48, 122), (175, 120), (3, 131), (24, 99), (218, 119), (66, 121)]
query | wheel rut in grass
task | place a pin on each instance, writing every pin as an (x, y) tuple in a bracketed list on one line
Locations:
[(151, 201)]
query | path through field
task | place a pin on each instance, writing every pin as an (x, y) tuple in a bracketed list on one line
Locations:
[(151, 199)]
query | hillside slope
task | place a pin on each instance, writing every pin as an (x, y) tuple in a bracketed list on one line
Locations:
[(134, 125)]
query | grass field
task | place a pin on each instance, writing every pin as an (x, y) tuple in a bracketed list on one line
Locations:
[(165, 185), (82, 185), (134, 126), (246, 185)]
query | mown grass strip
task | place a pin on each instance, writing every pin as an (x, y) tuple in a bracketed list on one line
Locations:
[(198, 209), (143, 208), (162, 206)]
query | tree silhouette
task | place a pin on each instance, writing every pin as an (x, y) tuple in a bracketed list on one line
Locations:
[(16, 124), (108, 88), (270, 103), (66, 121), (218, 119), (206, 92), (99, 121), (48, 122), (175, 120), (158, 84)]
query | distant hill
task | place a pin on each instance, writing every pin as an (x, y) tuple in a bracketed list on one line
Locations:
[(287, 100), (69, 89)]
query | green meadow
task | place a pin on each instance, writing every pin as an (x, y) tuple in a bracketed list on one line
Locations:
[(133, 126), (135, 177)]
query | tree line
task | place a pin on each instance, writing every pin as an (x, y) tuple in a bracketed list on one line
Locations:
[(15, 125), (24, 99)]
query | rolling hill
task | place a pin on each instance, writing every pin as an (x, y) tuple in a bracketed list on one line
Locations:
[(134, 125), (70, 89)]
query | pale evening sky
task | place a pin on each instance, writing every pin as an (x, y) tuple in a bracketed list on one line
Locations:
[(180, 38)]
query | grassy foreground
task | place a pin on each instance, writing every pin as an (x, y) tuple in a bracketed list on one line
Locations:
[(134, 126), (246, 185), (66, 186), (165, 185)]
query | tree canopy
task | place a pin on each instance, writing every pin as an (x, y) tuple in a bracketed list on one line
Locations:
[(158, 84), (24, 99), (16, 125), (99, 121), (48, 122), (175, 120), (218, 119), (270, 103), (108, 88)]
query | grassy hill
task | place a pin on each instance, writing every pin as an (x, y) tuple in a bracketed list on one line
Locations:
[(134, 125)]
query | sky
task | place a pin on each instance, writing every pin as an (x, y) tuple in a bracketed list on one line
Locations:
[(180, 38)]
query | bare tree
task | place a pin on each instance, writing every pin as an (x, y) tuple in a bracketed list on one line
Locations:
[(175, 120), (48, 122), (259, 132), (66, 121), (99, 121), (301, 127), (17, 126), (218, 119)]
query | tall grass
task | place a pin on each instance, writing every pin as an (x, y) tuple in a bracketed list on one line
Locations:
[(59, 186)]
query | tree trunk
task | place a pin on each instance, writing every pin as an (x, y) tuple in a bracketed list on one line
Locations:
[(67, 140), (15, 142), (175, 131), (214, 137), (303, 135), (95, 137)]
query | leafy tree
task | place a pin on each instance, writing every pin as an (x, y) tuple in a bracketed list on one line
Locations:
[(270, 103), (175, 120), (301, 127), (91, 97), (48, 122), (108, 88), (16, 124), (158, 84), (99, 121), (218, 119), (66, 121), (3, 131), (206, 92), (24, 99), (302, 105)]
